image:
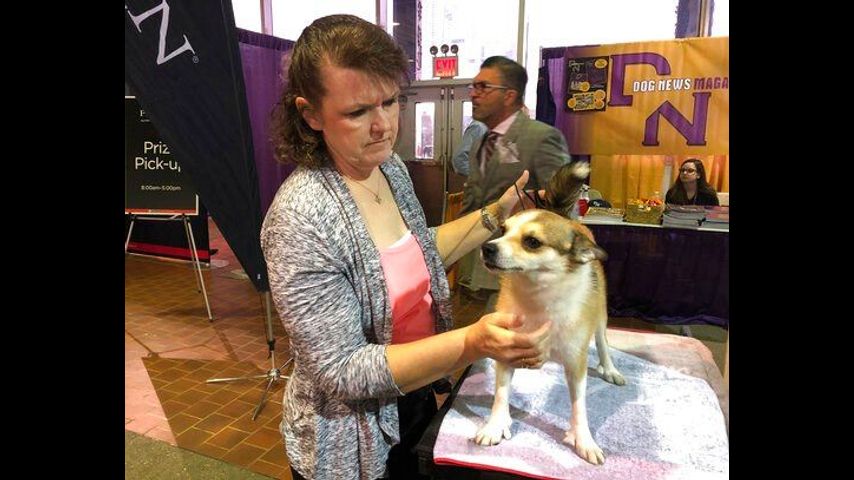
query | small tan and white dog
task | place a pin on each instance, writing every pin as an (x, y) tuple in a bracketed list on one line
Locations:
[(550, 269)]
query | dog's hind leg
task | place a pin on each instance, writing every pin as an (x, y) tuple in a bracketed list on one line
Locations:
[(497, 427), (606, 367), (579, 435)]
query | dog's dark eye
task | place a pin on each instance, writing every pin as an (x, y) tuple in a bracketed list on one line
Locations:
[(531, 242)]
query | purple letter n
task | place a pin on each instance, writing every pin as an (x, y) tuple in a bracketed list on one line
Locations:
[(694, 132)]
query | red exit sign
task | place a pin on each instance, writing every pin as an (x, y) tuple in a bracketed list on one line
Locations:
[(445, 67)]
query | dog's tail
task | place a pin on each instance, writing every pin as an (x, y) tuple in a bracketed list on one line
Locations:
[(564, 188)]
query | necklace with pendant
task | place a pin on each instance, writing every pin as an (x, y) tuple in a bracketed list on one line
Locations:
[(375, 194)]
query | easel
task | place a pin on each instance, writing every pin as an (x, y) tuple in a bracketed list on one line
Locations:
[(200, 281), (274, 373)]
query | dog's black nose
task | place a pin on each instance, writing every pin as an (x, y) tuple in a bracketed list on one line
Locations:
[(489, 250)]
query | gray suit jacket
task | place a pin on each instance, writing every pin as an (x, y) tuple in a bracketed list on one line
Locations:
[(528, 144)]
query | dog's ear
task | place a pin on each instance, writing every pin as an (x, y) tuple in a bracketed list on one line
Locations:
[(584, 250)]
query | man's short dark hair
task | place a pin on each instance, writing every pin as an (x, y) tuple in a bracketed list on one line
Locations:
[(513, 75)]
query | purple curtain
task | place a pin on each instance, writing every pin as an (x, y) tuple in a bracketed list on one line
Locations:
[(552, 85), (261, 56), (550, 93), (549, 84)]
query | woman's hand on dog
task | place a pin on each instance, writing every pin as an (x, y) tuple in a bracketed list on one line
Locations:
[(508, 204), (492, 337)]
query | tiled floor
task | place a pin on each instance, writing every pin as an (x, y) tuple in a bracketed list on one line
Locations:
[(171, 349)]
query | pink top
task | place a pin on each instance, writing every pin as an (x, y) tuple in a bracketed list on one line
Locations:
[(408, 284)]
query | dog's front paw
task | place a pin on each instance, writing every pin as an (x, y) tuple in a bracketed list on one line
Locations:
[(585, 447), (611, 375), (493, 432)]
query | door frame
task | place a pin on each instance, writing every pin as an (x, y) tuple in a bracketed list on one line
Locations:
[(448, 96)]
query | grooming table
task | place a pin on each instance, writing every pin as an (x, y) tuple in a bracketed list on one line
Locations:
[(668, 422)]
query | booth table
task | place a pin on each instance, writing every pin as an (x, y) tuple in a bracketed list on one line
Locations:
[(674, 276)]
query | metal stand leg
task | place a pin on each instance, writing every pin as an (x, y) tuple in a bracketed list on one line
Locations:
[(188, 230), (194, 253), (197, 264), (130, 230), (274, 373)]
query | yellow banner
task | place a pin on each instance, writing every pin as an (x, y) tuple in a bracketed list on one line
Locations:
[(665, 97)]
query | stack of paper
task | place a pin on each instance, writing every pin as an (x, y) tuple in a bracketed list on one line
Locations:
[(683, 216)]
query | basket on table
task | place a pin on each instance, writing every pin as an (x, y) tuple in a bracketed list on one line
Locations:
[(641, 210)]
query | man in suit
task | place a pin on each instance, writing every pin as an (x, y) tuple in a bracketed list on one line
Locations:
[(513, 143), (520, 142)]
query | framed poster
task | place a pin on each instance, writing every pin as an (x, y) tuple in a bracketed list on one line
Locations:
[(587, 83)]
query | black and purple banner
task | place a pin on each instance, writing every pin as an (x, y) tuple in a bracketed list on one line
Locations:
[(183, 63)]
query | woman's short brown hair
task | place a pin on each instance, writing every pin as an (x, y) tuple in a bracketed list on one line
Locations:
[(345, 41)]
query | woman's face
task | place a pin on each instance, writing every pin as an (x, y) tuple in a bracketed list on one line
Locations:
[(358, 118), (688, 172)]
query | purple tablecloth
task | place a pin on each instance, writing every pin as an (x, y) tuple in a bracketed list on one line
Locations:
[(666, 275)]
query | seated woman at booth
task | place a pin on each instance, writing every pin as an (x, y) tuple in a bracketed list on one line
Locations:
[(691, 188)]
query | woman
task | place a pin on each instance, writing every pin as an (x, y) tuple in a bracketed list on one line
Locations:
[(692, 188), (357, 277)]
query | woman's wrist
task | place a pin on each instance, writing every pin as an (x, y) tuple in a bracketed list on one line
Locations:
[(490, 217), (472, 350)]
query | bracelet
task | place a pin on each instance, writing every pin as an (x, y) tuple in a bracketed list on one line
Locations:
[(486, 220)]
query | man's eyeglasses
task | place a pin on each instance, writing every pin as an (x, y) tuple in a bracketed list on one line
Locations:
[(480, 87), (687, 170)]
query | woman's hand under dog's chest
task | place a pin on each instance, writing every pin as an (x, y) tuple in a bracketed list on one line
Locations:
[(531, 322)]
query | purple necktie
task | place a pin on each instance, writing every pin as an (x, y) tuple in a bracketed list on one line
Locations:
[(487, 149)]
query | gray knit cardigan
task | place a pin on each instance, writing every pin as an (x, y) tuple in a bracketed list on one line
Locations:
[(340, 406)]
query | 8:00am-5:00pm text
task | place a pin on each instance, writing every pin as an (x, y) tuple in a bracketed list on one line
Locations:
[(157, 188)]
